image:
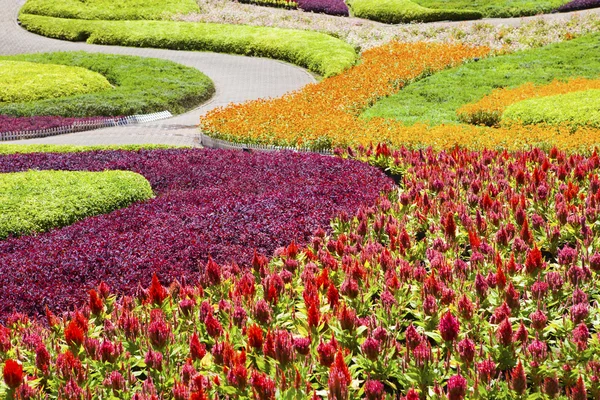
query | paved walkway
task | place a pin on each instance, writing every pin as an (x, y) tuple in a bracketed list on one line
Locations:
[(236, 78)]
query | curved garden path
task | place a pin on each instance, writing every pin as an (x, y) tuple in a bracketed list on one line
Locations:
[(236, 79)]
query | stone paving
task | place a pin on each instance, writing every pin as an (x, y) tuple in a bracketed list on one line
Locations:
[(236, 78)]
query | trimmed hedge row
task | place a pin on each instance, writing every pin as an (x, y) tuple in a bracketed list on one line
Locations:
[(109, 9), (64, 148), (403, 11), (318, 52), (572, 109), (37, 201), (25, 81), (142, 85), (497, 8)]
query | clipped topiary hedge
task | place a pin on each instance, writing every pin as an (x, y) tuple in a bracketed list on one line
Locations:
[(403, 11), (318, 52), (37, 201), (141, 85)]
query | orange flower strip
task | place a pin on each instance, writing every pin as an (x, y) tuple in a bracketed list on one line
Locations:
[(325, 114), (488, 111)]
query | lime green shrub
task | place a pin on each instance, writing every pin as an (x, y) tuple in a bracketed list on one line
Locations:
[(110, 9), (37, 201), (402, 11), (26, 81), (141, 85), (318, 52), (573, 109)]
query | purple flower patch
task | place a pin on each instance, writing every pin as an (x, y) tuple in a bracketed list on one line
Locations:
[(578, 5), (219, 203), (14, 124), (331, 7)]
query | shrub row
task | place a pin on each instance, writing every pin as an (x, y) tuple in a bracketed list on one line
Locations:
[(579, 5), (572, 109), (63, 148), (477, 279), (25, 81), (141, 85), (12, 124), (320, 53), (331, 7), (37, 201), (403, 11), (220, 203), (110, 10), (497, 8)]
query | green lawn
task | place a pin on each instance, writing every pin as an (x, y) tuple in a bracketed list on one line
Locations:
[(436, 98), (497, 8), (141, 85), (37, 201), (109, 9), (318, 52)]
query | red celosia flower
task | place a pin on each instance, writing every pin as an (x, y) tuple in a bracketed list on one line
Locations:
[(284, 347), (518, 379), (255, 336), (104, 290), (12, 373), (108, 352), (333, 296), (449, 327), (412, 394), (522, 335), (156, 292), (326, 353), (262, 312), (159, 333), (74, 334), (213, 326), (370, 348), (4, 339), (269, 346), (538, 350), (42, 358), (449, 226), (96, 304), (466, 307), (511, 296), (534, 262), (339, 378), (551, 386), (481, 286), (302, 345), (197, 349), (180, 391), (578, 391), (457, 387), (313, 314), (504, 334), (263, 386), (238, 376), (71, 391), (374, 390), (212, 273), (347, 318), (68, 366), (580, 336)]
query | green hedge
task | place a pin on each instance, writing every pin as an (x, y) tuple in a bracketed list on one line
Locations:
[(573, 109), (25, 81), (497, 8), (142, 85), (37, 201), (6, 149), (318, 52), (435, 99), (403, 11), (110, 9)]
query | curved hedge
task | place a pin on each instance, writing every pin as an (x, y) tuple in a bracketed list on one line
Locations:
[(318, 52), (25, 81), (142, 85), (37, 201), (572, 109), (497, 8), (111, 10), (402, 11)]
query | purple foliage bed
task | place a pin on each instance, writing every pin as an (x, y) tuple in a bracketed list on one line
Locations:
[(332, 7), (578, 5), (219, 203), (11, 124)]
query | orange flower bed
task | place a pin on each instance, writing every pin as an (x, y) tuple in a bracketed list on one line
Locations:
[(325, 114), (488, 111)]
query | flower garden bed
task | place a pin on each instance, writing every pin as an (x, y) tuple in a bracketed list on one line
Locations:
[(218, 203), (477, 279)]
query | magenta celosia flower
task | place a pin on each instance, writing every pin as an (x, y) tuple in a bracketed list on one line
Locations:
[(115, 381), (579, 312), (347, 318), (567, 256), (539, 290), (302, 345), (108, 351), (449, 327), (538, 350), (486, 370), (72, 391), (504, 333), (350, 288), (284, 347), (518, 381), (180, 391), (481, 286), (42, 358), (466, 307), (188, 372), (538, 320), (551, 386), (457, 387), (239, 316), (466, 350), (429, 305), (326, 353), (595, 262), (159, 333), (374, 390), (412, 394), (413, 339), (522, 335), (262, 312), (154, 360), (422, 353), (370, 348), (580, 336)]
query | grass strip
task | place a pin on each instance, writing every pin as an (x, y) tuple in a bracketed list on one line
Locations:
[(37, 201), (320, 53)]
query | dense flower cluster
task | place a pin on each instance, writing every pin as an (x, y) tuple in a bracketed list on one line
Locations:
[(331, 7), (326, 114), (476, 277), (575, 5), (218, 203), (488, 111), (9, 123)]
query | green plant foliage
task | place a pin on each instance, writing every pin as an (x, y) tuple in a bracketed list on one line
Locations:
[(111, 10), (402, 11), (435, 99), (26, 81), (37, 201), (60, 148), (497, 8), (142, 85), (574, 109), (318, 52)]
